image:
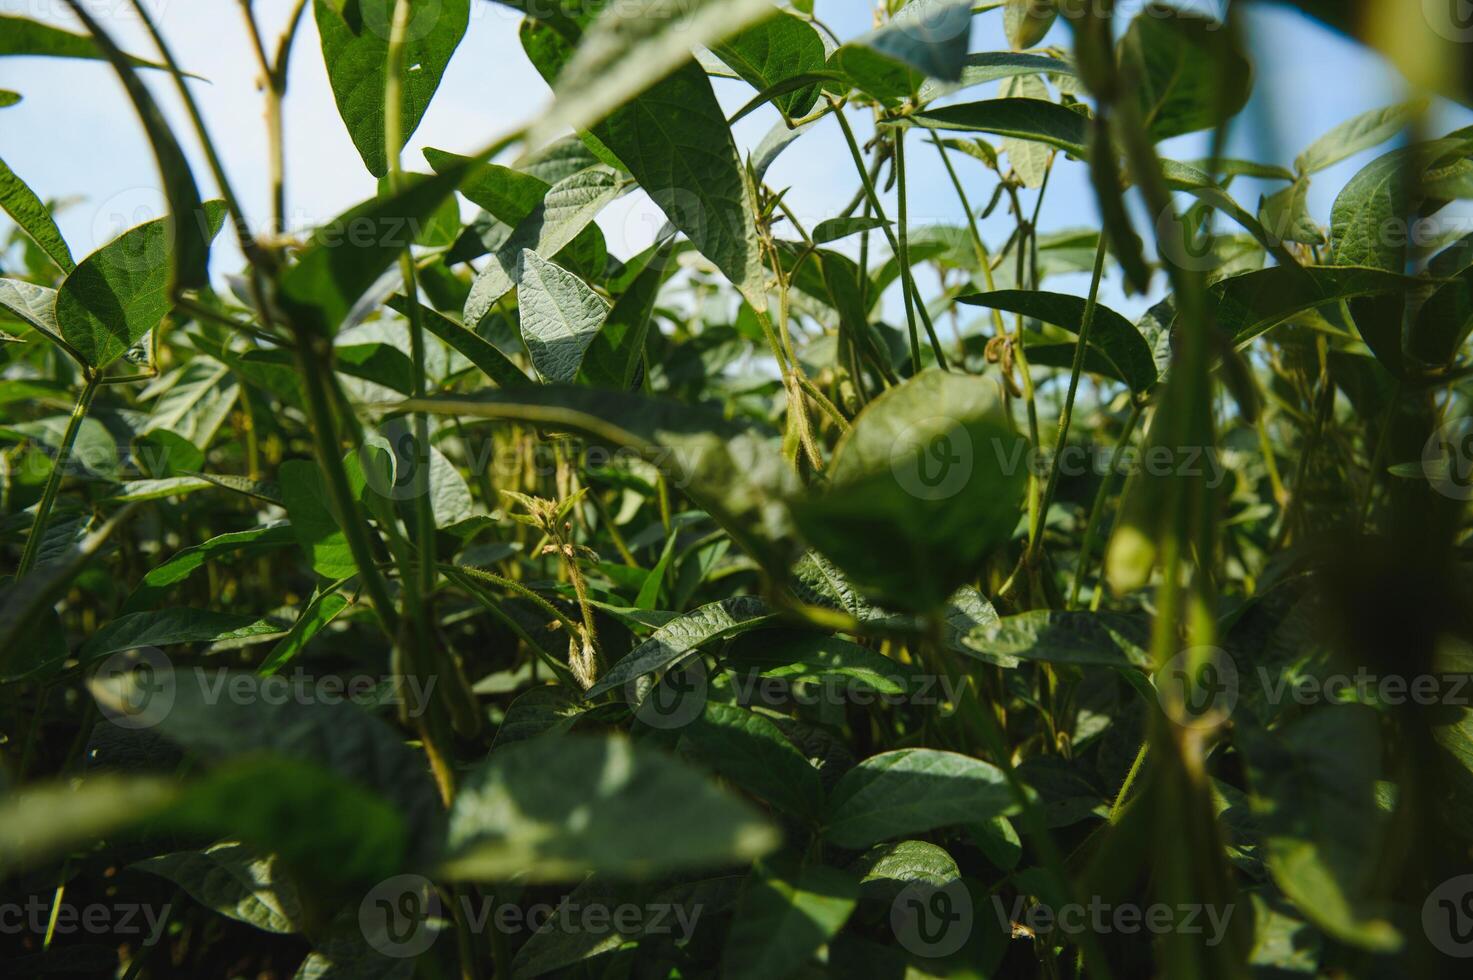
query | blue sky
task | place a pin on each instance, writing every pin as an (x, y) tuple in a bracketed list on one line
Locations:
[(75, 134)]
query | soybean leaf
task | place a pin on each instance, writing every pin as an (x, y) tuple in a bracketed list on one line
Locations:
[(1360, 133), (166, 627), (1250, 305), (1111, 334), (889, 868), (1054, 636), (911, 791), (235, 881), (560, 317), (1027, 21), (528, 810), (1313, 797), (320, 612), (773, 51), (469, 344), (23, 36), (783, 916), (33, 304), (614, 356), (1024, 119), (355, 48), (806, 656), (629, 49), (1442, 323), (675, 640), (121, 291), (674, 140), (316, 528), (992, 66), (836, 228), (1185, 72), (220, 718), (753, 753), (34, 218), (922, 40), (47, 819), (348, 255), (923, 487), (9, 98), (565, 212), (1375, 199), (159, 579)]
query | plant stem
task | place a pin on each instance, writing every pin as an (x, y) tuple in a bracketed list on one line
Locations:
[(907, 277), (58, 473), (1092, 528), (1066, 416)]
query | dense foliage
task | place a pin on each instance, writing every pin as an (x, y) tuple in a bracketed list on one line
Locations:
[(441, 597)]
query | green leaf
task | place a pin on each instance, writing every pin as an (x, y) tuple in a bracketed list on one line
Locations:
[(924, 487), (675, 640), (614, 356), (1250, 305), (773, 51), (1111, 334), (159, 579), (556, 808), (796, 655), (9, 98), (560, 317), (348, 255), (541, 711), (483, 355), (782, 918), (1185, 71), (1029, 159), (121, 291), (836, 228), (1361, 133), (993, 66), (920, 41), (166, 627), (1023, 119), (231, 879), (313, 523), (355, 47), (753, 753), (911, 791), (23, 36), (221, 718), (674, 140), (33, 304), (1369, 210), (630, 49), (319, 614), (508, 195), (565, 212), (889, 868), (47, 819), (1054, 636), (1314, 800), (34, 218), (1027, 21)]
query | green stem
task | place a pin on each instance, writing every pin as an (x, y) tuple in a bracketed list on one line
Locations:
[(1092, 528), (907, 277), (58, 473), (1066, 416)]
